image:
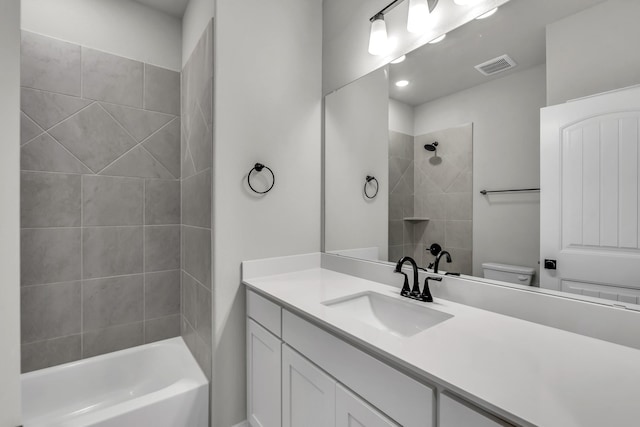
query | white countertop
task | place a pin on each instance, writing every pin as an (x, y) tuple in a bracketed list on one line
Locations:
[(535, 374)]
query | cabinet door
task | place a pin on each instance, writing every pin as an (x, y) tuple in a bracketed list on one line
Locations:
[(263, 377), (455, 413), (308, 394), (351, 411)]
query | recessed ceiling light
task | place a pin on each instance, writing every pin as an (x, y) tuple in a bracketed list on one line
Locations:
[(438, 39), (488, 14), (402, 83), (399, 60)]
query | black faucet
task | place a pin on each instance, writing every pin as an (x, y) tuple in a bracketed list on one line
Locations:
[(406, 291), (435, 265), (413, 293), (426, 292)]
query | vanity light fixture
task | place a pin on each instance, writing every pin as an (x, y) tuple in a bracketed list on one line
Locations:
[(418, 17), (466, 2), (402, 83), (378, 41), (438, 39), (488, 14), (417, 21), (399, 60)]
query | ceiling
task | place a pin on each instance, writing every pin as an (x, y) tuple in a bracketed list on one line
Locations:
[(517, 29), (172, 7)]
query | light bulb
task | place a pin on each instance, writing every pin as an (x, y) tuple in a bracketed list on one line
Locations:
[(438, 39), (378, 37), (418, 18), (488, 14)]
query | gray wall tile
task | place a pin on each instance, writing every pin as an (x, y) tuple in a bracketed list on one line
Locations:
[(200, 143), (162, 202), (111, 339), (458, 234), (112, 200), (49, 200), (28, 129), (161, 90), (196, 246), (161, 294), (48, 109), (49, 311), (139, 123), (111, 78), (113, 301), (139, 163), (49, 64), (162, 328), (196, 200), (111, 251), (43, 354), (93, 137), (45, 154), (203, 314), (49, 255), (189, 298), (161, 247), (164, 145)]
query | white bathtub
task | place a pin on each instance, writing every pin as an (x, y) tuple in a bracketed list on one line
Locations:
[(157, 385)]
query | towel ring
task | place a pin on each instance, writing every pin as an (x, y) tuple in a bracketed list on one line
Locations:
[(368, 179), (258, 167)]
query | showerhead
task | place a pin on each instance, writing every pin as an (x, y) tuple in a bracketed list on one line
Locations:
[(431, 147)]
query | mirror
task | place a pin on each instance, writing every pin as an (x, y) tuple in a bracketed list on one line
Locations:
[(452, 136)]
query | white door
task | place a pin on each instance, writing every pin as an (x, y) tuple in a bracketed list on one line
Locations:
[(589, 196), (351, 411), (308, 394), (263, 377)]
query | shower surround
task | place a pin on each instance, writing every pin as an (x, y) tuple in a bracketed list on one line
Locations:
[(100, 202)]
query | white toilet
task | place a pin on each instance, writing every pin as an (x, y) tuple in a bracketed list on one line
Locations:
[(508, 273)]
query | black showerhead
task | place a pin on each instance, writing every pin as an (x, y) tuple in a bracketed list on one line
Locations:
[(431, 147)]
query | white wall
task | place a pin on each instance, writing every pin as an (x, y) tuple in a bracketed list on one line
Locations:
[(506, 154), (357, 145), (120, 27), (593, 51), (267, 109), (10, 413), (400, 117), (346, 34), (195, 20)]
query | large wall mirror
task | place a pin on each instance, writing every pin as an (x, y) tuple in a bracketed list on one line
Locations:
[(452, 135)]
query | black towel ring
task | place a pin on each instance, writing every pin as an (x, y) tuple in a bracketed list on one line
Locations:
[(258, 168), (368, 179)]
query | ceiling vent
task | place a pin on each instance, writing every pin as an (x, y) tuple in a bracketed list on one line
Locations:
[(496, 65)]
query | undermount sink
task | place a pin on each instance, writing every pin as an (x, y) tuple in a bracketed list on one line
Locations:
[(398, 317)]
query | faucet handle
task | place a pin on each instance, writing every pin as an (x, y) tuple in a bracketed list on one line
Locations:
[(426, 292)]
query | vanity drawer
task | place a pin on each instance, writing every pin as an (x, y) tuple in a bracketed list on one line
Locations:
[(405, 400), (265, 312)]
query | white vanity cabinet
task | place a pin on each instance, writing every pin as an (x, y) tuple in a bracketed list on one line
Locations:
[(300, 375), (308, 394), (351, 411), (456, 413)]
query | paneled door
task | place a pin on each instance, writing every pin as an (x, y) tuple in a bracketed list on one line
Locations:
[(308, 394), (590, 196), (263, 377), (351, 411)]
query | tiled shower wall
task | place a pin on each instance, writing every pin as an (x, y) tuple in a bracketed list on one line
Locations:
[(100, 202), (440, 186), (197, 160)]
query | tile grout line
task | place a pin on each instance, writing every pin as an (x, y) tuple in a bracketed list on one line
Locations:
[(144, 269), (98, 278)]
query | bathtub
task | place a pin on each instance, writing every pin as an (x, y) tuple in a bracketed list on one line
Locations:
[(158, 384)]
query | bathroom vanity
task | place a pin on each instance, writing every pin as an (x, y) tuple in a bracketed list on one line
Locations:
[(325, 348)]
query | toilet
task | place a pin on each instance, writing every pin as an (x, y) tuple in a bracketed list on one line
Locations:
[(508, 273)]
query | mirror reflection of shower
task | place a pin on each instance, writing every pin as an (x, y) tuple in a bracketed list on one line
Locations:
[(435, 160)]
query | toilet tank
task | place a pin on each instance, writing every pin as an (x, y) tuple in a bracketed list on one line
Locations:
[(508, 273)]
